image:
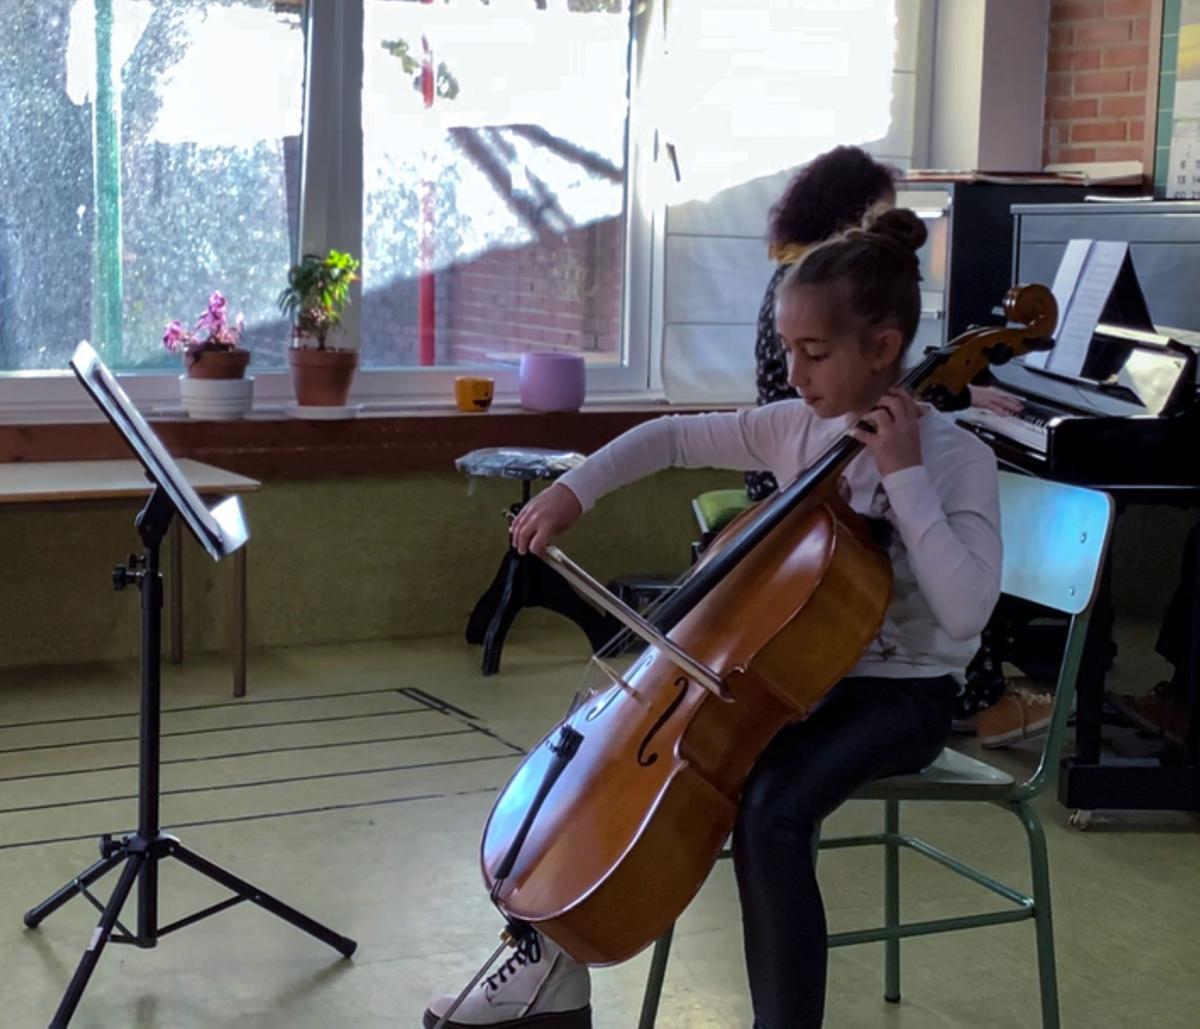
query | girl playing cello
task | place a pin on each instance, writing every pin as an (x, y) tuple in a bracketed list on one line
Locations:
[(846, 314)]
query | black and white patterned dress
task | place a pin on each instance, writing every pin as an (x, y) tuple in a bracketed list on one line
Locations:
[(771, 375)]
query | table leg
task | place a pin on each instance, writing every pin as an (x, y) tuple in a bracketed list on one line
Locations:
[(175, 582), (239, 622)]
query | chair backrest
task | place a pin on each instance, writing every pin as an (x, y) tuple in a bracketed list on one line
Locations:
[(1055, 537), (1055, 540)]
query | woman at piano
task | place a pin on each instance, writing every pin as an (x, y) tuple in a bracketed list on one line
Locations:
[(829, 194), (846, 314)]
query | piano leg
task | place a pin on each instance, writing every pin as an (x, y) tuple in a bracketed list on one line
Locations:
[(1192, 742), (1089, 703), (1089, 780)]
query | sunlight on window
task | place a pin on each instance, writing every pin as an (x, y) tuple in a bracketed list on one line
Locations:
[(130, 18), (252, 98), (752, 87), (511, 66)]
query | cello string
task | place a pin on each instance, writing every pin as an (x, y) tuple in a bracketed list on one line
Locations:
[(625, 638)]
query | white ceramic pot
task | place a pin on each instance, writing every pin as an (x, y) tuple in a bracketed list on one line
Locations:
[(216, 400)]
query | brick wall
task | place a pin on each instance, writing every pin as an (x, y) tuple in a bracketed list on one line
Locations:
[(562, 292), (1096, 80)]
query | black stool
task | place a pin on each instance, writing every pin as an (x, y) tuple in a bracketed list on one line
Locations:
[(524, 580)]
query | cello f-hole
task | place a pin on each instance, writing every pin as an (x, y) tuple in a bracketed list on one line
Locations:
[(644, 759)]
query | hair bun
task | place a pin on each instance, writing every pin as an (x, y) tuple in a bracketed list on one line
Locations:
[(899, 226)]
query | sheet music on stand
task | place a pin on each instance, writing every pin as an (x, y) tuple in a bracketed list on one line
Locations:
[(1095, 282), (220, 530)]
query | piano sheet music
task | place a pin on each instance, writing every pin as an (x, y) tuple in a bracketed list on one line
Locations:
[(1082, 287)]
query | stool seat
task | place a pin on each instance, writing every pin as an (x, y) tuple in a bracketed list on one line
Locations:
[(518, 462), (524, 580)]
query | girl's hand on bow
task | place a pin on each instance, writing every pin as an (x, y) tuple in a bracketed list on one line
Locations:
[(896, 441), (546, 516)]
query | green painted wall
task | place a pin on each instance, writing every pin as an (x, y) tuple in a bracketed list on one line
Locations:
[(330, 561), (337, 560)]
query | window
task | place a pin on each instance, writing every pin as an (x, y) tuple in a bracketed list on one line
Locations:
[(494, 198), (151, 156)]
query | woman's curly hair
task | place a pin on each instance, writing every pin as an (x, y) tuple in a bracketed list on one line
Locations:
[(830, 193)]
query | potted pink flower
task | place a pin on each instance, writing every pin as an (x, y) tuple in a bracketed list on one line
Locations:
[(211, 347), (214, 385)]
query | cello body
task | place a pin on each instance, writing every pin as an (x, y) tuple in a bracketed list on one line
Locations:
[(638, 817)]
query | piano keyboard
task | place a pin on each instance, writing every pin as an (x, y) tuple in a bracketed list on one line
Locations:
[(1029, 428)]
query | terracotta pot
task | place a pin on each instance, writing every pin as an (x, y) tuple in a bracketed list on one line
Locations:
[(321, 378), (217, 364)]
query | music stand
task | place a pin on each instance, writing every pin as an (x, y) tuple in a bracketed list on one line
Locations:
[(220, 531)]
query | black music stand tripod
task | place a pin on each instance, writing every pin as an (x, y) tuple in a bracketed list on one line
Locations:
[(141, 851)]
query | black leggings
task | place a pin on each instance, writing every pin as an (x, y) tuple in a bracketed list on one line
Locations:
[(864, 729)]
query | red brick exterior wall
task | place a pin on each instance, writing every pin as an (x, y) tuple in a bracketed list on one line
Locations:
[(1096, 80), (559, 293)]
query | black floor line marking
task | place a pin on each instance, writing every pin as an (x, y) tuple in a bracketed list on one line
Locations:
[(457, 713), (413, 693), (217, 728), (175, 826), (284, 781), (64, 773), (202, 707)]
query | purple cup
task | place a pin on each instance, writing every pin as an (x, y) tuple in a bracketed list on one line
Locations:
[(552, 381)]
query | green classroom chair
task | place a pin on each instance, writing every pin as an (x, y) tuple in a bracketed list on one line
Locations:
[(1055, 538)]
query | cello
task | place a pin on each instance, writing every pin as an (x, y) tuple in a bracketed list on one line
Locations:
[(610, 825)]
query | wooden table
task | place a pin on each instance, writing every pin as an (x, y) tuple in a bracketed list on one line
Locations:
[(84, 482)]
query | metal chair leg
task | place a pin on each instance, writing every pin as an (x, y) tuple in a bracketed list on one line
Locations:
[(891, 901), (654, 981), (1043, 921)]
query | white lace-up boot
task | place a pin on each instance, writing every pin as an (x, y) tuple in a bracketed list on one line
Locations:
[(538, 987)]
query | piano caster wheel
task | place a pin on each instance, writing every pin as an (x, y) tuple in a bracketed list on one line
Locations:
[(1080, 820)]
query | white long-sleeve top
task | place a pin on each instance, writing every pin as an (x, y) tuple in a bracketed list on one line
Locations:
[(945, 514)]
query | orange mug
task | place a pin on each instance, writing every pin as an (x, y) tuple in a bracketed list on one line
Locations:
[(473, 393)]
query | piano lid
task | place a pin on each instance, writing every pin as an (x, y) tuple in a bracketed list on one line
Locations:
[(1127, 372)]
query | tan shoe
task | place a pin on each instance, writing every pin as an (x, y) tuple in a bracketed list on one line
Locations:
[(1016, 716)]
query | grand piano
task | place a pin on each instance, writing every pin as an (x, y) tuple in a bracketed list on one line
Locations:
[(1129, 424)]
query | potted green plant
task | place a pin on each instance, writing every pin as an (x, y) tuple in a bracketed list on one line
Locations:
[(315, 299), (214, 384)]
